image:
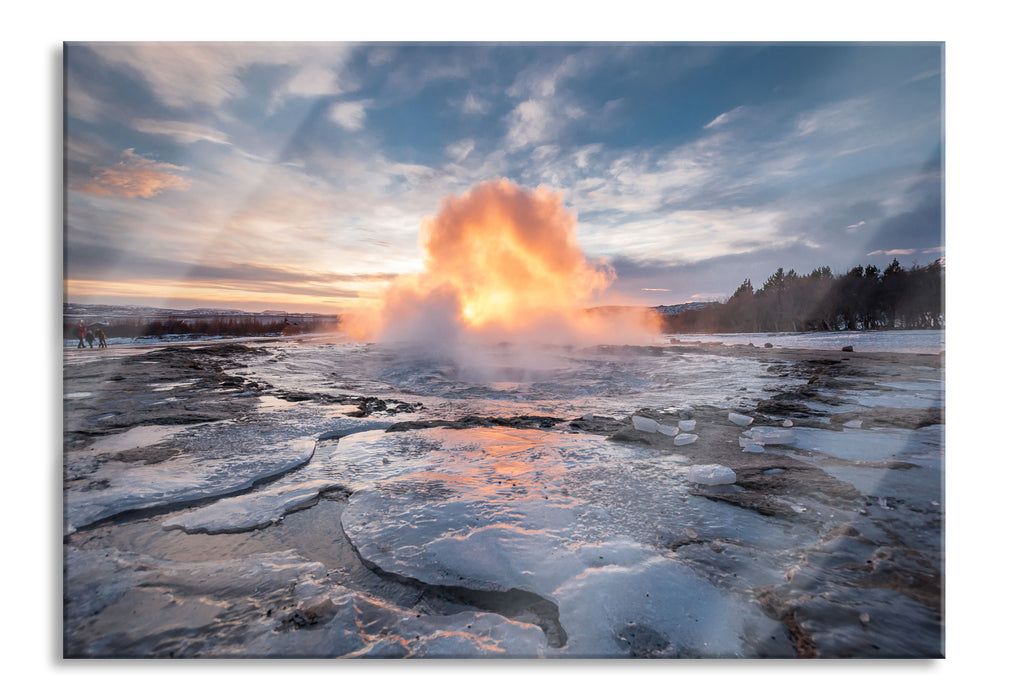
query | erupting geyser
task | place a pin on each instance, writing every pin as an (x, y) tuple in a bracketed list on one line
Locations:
[(502, 263)]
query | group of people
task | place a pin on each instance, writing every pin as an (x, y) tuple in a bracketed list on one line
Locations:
[(86, 335)]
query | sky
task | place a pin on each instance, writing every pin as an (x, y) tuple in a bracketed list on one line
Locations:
[(296, 175)]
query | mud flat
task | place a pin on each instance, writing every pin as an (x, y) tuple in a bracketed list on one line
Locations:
[(330, 500)]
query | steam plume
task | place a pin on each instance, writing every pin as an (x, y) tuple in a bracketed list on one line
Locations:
[(502, 263)]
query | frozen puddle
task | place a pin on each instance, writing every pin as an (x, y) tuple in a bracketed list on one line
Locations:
[(504, 510), (923, 447), (265, 605), (232, 459), (140, 436), (264, 507)]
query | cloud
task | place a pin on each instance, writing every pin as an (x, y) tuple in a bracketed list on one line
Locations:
[(685, 236), (80, 104), (545, 112), (350, 115), (183, 74), (474, 105), (834, 118), (725, 118), (529, 123), (187, 74), (542, 83), (460, 149), (183, 132), (855, 227), (915, 215), (92, 261), (923, 76), (895, 251), (134, 176)]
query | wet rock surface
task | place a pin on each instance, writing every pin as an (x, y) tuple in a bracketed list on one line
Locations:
[(824, 552)]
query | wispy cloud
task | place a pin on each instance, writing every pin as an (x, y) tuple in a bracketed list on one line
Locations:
[(834, 118), (895, 251), (458, 150), (544, 111), (184, 75), (134, 176), (924, 75), (530, 123), (183, 132), (725, 117), (474, 105), (350, 115)]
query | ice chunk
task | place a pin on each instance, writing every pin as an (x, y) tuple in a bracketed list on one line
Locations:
[(645, 425), (250, 511), (670, 430), (787, 423), (711, 474), (768, 435), (221, 469), (682, 410), (751, 446), (739, 419), (684, 439), (853, 424), (687, 425)]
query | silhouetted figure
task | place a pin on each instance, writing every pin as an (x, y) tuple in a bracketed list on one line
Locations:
[(81, 332), (101, 338), (90, 337)]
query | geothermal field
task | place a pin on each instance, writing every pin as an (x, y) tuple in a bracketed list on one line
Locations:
[(476, 467), (292, 498)]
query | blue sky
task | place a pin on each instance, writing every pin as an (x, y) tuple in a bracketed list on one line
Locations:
[(296, 175)]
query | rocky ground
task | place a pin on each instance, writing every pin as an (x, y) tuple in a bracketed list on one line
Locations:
[(870, 584)]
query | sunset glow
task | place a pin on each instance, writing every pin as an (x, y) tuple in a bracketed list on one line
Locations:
[(499, 261), (301, 175)]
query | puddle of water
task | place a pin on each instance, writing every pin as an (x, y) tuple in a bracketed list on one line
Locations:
[(141, 436)]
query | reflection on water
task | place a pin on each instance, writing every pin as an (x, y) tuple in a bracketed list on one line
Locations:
[(567, 381)]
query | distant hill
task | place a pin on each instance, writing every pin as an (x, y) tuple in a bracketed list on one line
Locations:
[(92, 311), (131, 321), (677, 309)]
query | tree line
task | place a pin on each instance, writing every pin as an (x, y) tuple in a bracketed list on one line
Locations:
[(229, 327), (864, 298)]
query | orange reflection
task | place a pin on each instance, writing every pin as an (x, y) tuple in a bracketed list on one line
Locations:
[(495, 468)]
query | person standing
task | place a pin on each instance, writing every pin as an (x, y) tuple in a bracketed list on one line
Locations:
[(81, 332)]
